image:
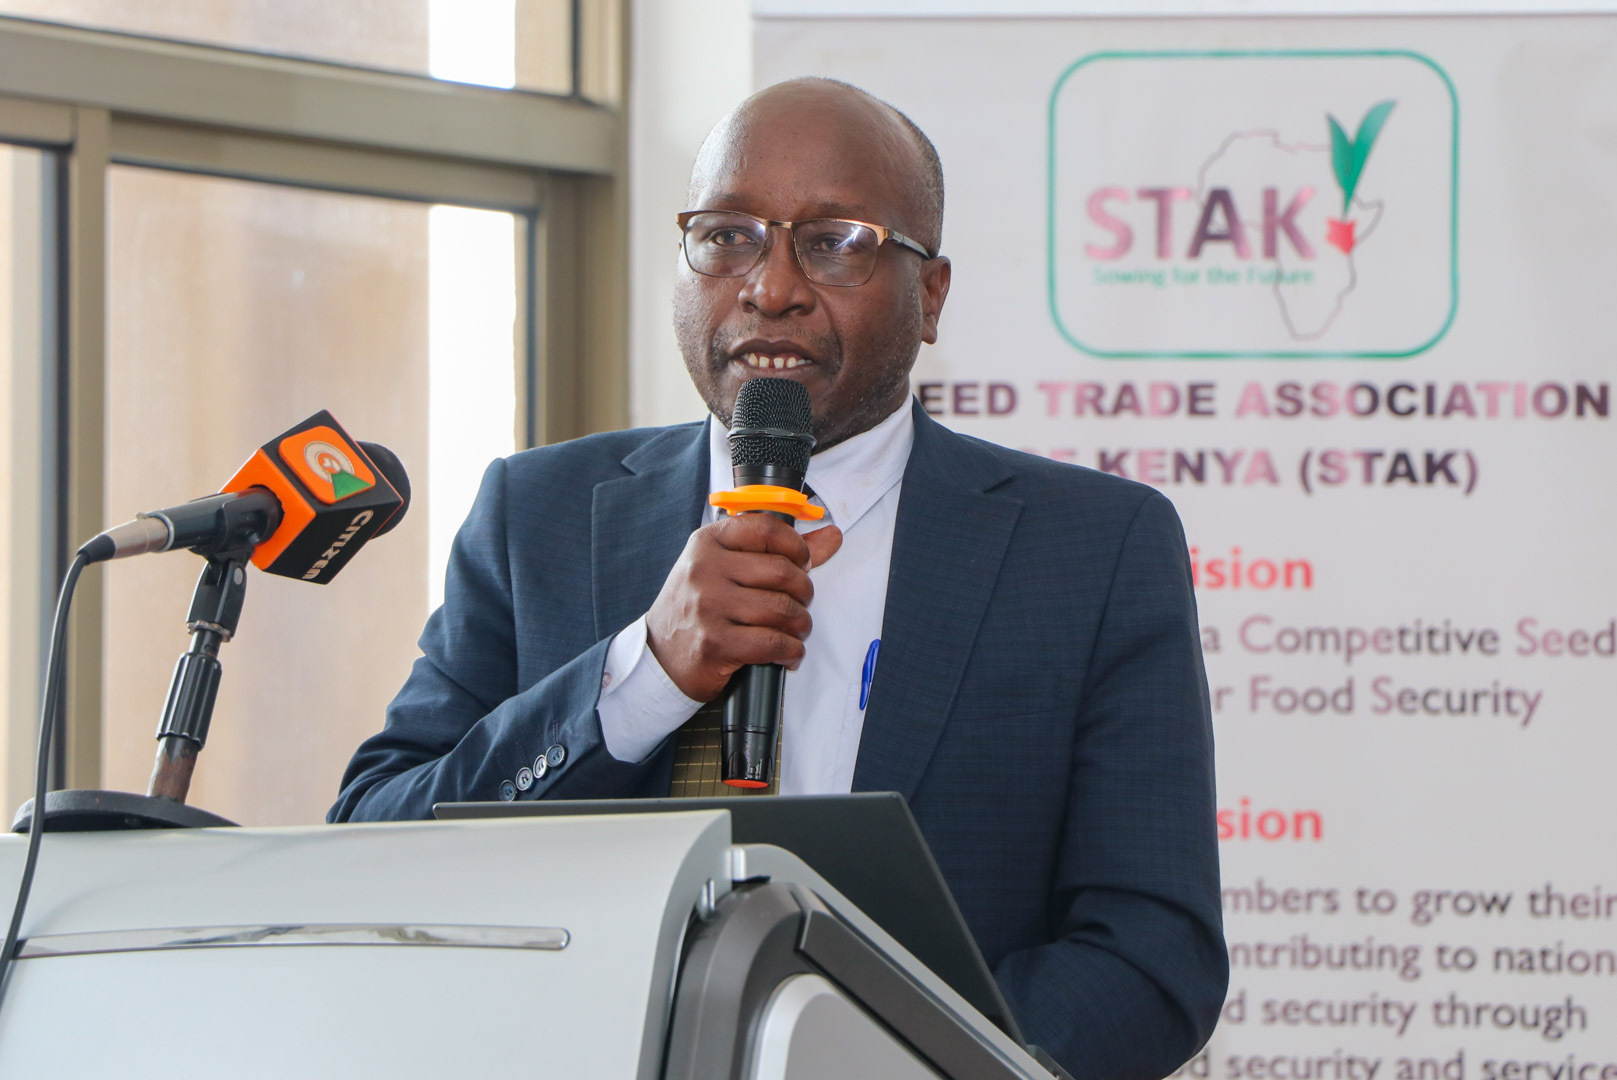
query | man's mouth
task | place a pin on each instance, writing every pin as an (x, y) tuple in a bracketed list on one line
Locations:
[(772, 362)]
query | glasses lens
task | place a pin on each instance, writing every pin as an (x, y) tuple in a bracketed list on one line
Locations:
[(724, 245), (836, 252)]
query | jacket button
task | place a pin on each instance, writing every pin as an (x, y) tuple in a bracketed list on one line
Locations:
[(508, 791), (524, 778), (556, 755), (540, 767)]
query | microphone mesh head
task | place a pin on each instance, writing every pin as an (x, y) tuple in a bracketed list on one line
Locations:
[(777, 404), (392, 469)]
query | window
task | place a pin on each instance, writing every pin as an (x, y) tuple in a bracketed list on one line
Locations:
[(235, 310), (187, 268)]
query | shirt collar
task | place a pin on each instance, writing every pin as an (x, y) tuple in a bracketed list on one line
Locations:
[(849, 478)]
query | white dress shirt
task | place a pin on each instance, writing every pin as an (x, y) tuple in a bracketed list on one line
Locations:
[(823, 716)]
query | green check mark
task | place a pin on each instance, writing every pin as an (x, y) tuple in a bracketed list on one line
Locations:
[(1349, 155)]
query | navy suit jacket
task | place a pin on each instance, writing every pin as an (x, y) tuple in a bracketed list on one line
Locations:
[(1040, 701)]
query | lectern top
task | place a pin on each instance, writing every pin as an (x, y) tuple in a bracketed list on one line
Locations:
[(866, 845)]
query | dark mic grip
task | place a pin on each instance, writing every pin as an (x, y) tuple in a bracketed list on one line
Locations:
[(751, 724)]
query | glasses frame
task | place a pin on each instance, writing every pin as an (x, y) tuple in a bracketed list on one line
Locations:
[(883, 234)]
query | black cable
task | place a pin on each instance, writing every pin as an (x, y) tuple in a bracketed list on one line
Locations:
[(47, 717)]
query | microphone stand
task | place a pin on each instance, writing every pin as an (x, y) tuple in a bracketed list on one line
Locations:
[(215, 613), (212, 621)]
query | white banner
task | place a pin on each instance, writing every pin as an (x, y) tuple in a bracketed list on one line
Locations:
[(1343, 290)]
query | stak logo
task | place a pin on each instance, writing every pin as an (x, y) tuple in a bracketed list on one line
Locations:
[(1217, 205), (1221, 219)]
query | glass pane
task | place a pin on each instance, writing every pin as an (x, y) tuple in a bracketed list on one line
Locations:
[(524, 43), (27, 582), (235, 310)]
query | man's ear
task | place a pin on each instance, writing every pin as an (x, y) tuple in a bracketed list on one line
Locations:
[(934, 291)]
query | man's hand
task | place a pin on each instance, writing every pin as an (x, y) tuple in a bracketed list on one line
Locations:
[(738, 595)]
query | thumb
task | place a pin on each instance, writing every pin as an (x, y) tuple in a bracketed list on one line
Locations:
[(822, 544)]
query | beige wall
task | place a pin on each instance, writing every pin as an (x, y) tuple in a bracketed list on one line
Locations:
[(690, 63)]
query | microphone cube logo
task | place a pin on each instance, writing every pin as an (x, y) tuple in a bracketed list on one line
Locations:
[(1228, 205), (320, 458)]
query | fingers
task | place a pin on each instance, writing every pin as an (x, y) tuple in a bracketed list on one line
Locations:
[(767, 609), (767, 534), (822, 544), (760, 533), (738, 595), (755, 645), (757, 570), (701, 659)]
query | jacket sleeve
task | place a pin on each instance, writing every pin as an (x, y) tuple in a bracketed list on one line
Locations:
[(1133, 982), (462, 729)]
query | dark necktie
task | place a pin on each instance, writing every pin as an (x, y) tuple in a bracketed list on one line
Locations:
[(696, 759)]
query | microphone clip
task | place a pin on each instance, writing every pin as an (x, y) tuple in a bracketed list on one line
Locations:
[(769, 499)]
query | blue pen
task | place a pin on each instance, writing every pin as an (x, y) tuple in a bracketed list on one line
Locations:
[(868, 673)]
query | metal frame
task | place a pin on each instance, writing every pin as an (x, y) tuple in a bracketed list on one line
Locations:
[(98, 98), (32, 431), (329, 166), (211, 86)]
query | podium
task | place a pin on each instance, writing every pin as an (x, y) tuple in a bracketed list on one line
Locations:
[(645, 945)]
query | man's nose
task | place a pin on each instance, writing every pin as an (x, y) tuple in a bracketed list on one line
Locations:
[(776, 286)]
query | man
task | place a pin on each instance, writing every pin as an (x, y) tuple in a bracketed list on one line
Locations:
[(1038, 695)]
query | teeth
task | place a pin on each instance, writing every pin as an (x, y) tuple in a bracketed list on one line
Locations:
[(773, 363)]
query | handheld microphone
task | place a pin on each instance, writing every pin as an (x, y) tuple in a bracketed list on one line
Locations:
[(770, 444), (305, 502)]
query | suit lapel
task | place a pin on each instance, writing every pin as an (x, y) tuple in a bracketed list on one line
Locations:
[(948, 542), (639, 523)]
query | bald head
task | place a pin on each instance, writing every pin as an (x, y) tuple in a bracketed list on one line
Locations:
[(835, 118)]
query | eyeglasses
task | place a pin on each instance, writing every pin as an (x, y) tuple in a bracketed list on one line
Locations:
[(830, 251)]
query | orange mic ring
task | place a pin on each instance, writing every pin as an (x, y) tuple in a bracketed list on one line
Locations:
[(779, 500)]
